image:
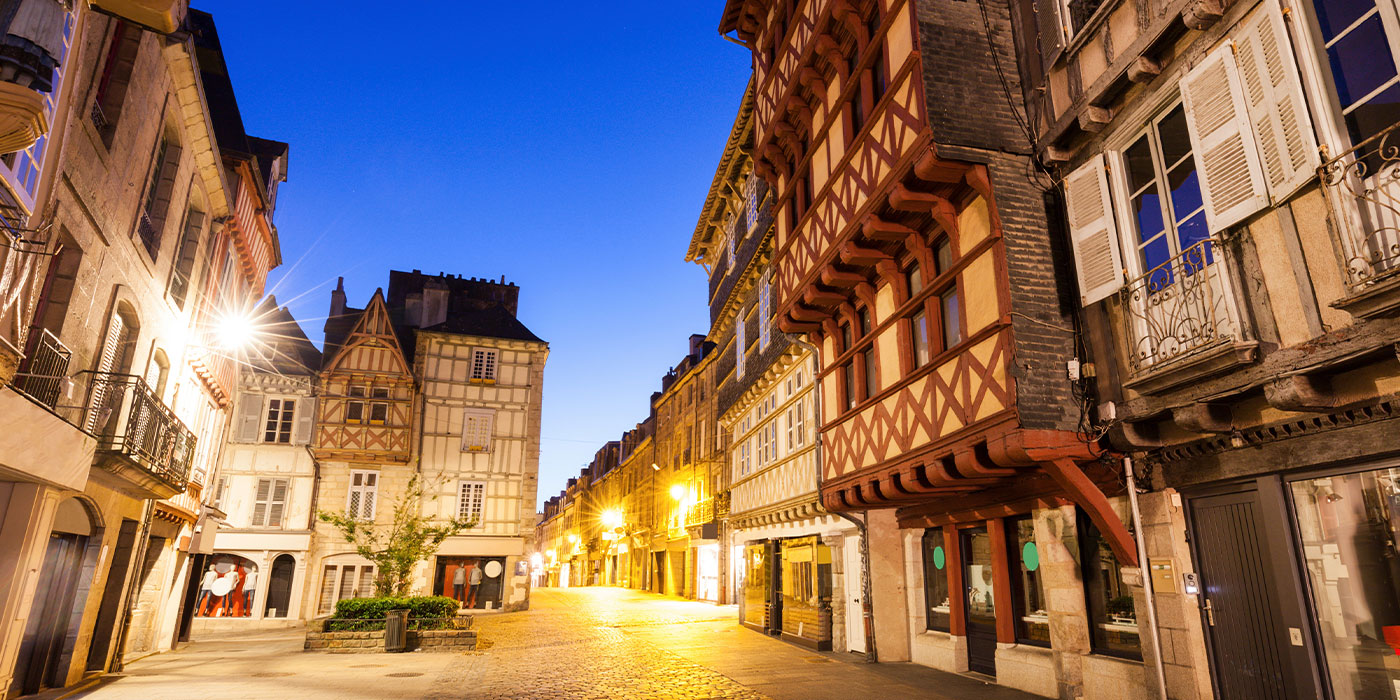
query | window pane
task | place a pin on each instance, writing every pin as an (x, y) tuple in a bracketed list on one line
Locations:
[(919, 331), (1032, 616), (1138, 160), (935, 580), (1147, 213), (1335, 15), (952, 328), (1361, 61), (1193, 231), (1113, 624), (1349, 527), (865, 324), (943, 256), (1155, 253), (1369, 119), (872, 379), (850, 372), (916, 280), (1176, 140), (1186, 190)]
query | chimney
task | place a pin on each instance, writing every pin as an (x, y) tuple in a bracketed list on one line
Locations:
[(697, 341), (338, 298)]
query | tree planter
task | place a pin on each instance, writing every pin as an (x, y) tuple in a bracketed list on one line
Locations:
[(461, 638)]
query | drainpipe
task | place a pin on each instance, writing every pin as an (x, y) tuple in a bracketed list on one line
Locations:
[(1146, 573), (867, 613)]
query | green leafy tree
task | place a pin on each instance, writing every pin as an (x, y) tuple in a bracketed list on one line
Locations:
[(411, 538)]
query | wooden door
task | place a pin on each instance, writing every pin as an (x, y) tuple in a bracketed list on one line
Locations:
[(41, 649), (980, 610), (1252, 654), (855, 611)]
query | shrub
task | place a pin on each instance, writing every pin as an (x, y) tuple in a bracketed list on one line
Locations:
[(374, 608)]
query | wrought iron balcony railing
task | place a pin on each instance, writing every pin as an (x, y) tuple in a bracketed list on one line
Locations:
[(700, 513), (1362, 186), (45, 376), (1183, 306), (130, 422), (146, 229)]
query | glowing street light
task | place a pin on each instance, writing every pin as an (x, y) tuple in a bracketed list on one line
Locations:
[(677, 491), (612, 518), (235, 331)]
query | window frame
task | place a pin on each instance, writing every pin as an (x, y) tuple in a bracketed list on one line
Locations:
[(363, 488), (489, 369), (269, 502), (486, 415), (1018, 575), (940, 541), (1082, 526), (464, 500), (281, 426), (355, 399)]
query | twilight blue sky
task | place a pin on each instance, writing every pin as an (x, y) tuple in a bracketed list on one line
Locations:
[(568, 146)]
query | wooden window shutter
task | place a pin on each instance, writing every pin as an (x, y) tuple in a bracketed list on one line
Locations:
[(1232, 183), (180, 281), (164, 184), (1274, 95), (306, 421), (250, 417), (277, 504), (1052, 30), (260, 502), (1093, 232)]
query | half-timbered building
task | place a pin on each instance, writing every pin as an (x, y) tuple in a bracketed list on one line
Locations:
[(362, 440), (783, 543), (1228, 172), (910, 247), (480, 374)]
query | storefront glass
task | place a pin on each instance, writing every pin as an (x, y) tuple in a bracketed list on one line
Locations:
[(226, 587), (935, 580), (1348, 528), (1028, 588), (1113, 625)]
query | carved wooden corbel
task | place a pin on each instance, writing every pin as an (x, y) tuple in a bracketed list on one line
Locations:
[(881, 230), (1094, 119), (818, 296), (1143, 69), (833, 277), (930, 168), (1130, 436), (1203, 418), (1202, 14), (1301, 392), (861, 256)]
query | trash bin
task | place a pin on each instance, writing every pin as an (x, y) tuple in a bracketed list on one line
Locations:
[(396, 630)]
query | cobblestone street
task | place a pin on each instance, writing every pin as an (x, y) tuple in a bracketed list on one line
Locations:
[(581, 643)]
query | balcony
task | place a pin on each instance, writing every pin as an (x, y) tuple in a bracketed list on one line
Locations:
[(22, 118), (139, 439), (163, 16), (45, 370), (700, 513), (1362, 187), (1182, 320)]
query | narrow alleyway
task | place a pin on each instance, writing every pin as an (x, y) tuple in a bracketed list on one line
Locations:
[(573, 643)]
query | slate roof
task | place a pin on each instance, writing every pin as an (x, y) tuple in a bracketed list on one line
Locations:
[(284, 347)]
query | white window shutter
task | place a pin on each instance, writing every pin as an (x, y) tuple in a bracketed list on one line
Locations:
[(1273, 93), (1232, 183), (277, 503), (305, 421), (250, 418), (1093, 232), (260, 502)]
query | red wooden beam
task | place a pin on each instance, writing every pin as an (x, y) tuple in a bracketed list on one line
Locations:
[(1087, 495), (879, 229), (957, 588), (838, 278), (1001, 582)]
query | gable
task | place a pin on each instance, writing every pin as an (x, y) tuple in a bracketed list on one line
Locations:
[(371, 347)]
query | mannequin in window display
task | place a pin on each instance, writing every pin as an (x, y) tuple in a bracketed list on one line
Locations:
[(32, 41), (474, 581), (250, 586), (459, 584), (206, 584)]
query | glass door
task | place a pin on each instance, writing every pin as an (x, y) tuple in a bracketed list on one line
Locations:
[(981, 605)]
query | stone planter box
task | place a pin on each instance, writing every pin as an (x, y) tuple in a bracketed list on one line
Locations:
[(372, 641)]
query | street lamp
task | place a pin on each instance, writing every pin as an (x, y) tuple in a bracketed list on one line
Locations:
[(677, 491), (234, 331), (612, 518)]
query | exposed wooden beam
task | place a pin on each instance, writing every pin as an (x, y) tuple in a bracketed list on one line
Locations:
[(816, 295), (853, 254), (931, 168), (1203, 417), (1301, 392), (882, 230), (1090, 498), (838, 278)]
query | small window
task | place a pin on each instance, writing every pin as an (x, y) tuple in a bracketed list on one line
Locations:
[(355, 406), (484, 365), (269, 503), (1032, 616), (471, 496), (364, 486), (476, 430), (739, 345), (765, 334), (915, 279), (281, 414), (379, 409), (918, 334), (937, 612)]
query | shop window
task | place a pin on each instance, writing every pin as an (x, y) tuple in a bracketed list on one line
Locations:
[(227, 587), (1348, 529), (1032, 615), (1113, 626), (936, 595)]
